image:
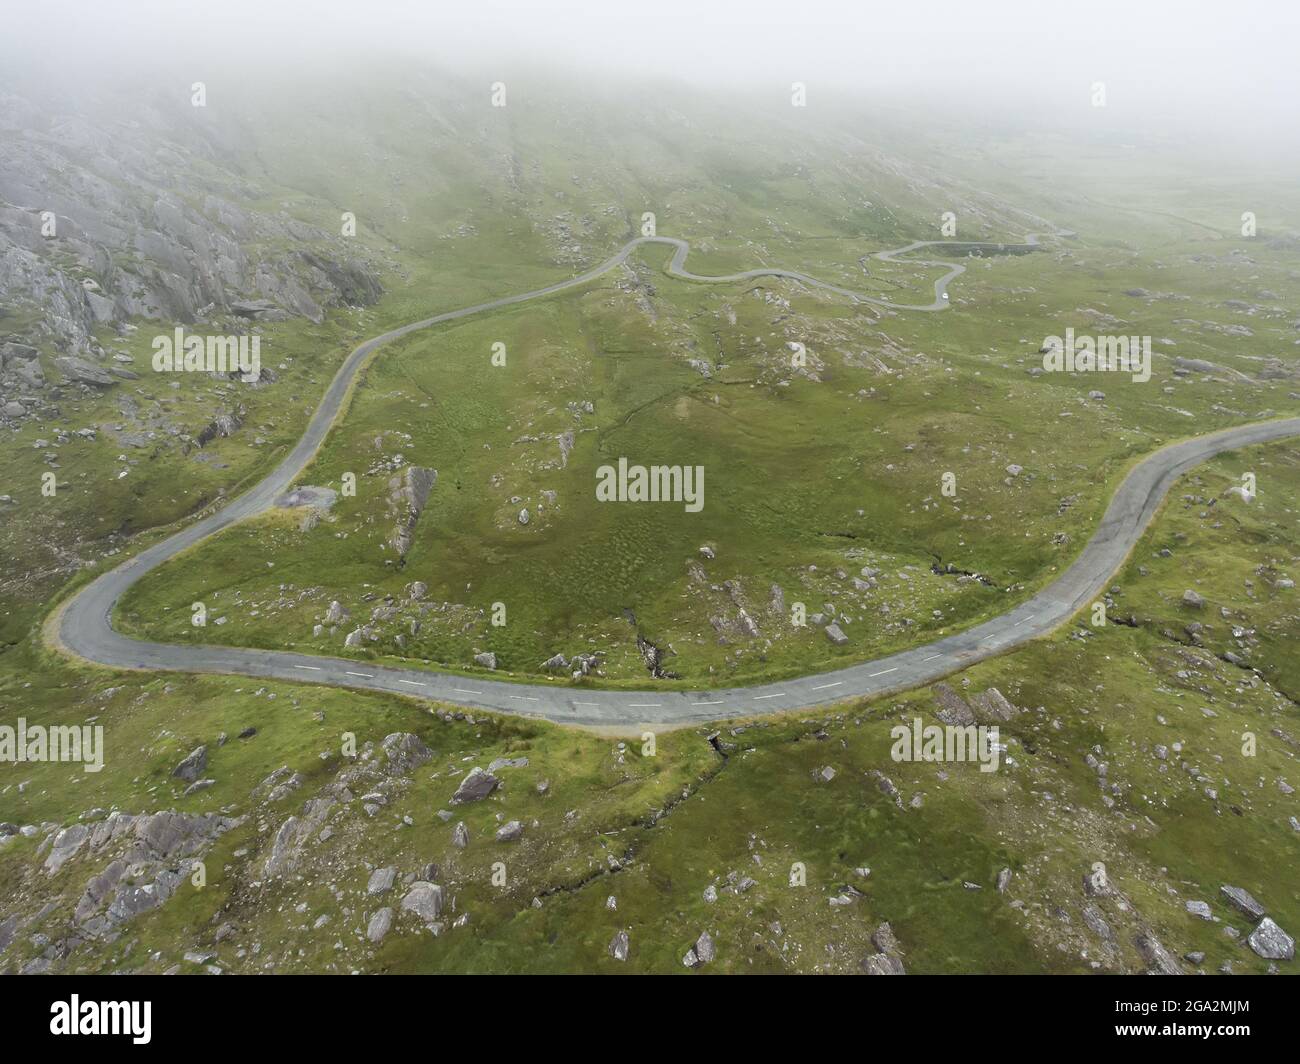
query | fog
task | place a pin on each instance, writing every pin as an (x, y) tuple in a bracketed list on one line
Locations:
[(1228, 71)]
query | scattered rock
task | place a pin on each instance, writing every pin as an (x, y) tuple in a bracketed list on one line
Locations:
[(883, 964), (1243, 901), (425, 900), (1159, 960), (379, 925), (476, 786), (618, 946), (1271, 942), (190, 769), (835, 634)]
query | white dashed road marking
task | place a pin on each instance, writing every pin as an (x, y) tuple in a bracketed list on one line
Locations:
[(413, 683), (759, 698), (313, 668), (822, 687), (363, 675), (465, 691), (882, 672)]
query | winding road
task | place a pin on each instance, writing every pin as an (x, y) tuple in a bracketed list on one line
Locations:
[(83, 625)]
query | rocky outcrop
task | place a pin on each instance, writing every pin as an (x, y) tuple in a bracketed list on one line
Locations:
[(95, 229), (192, 767), (424, 900), (476, 786), (152, 854), (408, 492), (405, 752), (223, 425)]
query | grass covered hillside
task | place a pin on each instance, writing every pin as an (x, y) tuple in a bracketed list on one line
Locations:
[(1125, 747)]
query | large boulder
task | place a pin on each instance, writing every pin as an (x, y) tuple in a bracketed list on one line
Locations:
[(618, 946), (883, 964), (406, 752), (408, 491), (425, 900), (1159, 960), (192, 767), (476, 786), (1271, 942), (1243, 901), (83, 372), (379, 925)]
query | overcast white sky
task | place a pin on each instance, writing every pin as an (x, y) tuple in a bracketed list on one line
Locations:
[(1188, 62)]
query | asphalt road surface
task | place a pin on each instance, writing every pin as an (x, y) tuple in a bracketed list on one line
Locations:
[(83, 625)]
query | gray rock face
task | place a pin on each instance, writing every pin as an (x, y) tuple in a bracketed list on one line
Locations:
[(487, 659), (78, 369), (381, 880), (278, 785), (66, 844), (992, 707), (192, 767), (1271, 942), (1199, 908), (155, 851), (952, 707), (476, 786), (222, 426), (835, 634), (704, 950), (294, 833), (884, 940), (1159, 960), (1242, 901), (1192, 599), (425, 900), (406, 752), (151, 250), (1096, 923), (883, 964), (556, 663), (510, 831), (618, 946), (408, 492), (379, 925), (336, 614), (460, 835)]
